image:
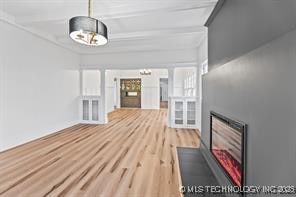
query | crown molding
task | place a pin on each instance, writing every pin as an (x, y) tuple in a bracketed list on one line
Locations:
[(215, 11), (8, 19)]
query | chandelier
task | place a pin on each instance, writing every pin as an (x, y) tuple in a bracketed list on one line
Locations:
[(145, 72), (87, 30)]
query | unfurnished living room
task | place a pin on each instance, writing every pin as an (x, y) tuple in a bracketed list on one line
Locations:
[(147, 98)]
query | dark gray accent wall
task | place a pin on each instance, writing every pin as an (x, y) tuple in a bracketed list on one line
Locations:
[(259, 88), (243, 25)]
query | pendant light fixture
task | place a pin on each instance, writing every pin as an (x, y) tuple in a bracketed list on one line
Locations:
[(87, 30)]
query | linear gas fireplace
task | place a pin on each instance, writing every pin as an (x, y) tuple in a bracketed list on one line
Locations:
[(227, 144)]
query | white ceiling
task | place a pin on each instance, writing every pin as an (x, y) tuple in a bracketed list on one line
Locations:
[(133, 25)]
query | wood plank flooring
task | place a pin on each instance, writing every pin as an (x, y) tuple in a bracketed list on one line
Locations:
[(133, 155)]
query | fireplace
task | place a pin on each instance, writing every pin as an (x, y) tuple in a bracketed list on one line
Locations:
[(227, 144)]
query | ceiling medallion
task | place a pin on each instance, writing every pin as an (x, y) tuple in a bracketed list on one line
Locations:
[(87, 30)]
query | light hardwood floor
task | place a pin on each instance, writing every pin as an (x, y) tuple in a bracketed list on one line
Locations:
[(133, 155)]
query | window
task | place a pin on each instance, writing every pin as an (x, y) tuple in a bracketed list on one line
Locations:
[(204, 67), (190, 85)]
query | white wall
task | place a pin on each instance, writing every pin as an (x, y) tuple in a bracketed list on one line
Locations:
[(91, 85), (150, 97), (140, 59), (112, 90), (178, 82), (39, 87), (182, 75), (91, 80)]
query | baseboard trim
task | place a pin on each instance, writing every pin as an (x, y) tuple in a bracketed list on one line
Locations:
[(47, 134)]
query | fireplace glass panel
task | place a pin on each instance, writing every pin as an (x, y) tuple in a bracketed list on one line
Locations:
[(227, 146)]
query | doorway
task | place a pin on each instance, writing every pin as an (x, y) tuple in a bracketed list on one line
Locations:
[(130, 93), (163, 94)]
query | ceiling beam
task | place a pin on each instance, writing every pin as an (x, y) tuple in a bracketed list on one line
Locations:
[(184, 64), (50, 17), (145, 40), (167, 43), (146, 34), (157, 33)]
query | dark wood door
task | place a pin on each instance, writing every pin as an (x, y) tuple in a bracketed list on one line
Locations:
[(130, 93)]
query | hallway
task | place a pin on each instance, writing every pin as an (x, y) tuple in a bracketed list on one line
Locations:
[(133, 155)]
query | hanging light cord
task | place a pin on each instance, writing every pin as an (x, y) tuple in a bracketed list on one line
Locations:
[(90, 36), (89, 8)]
